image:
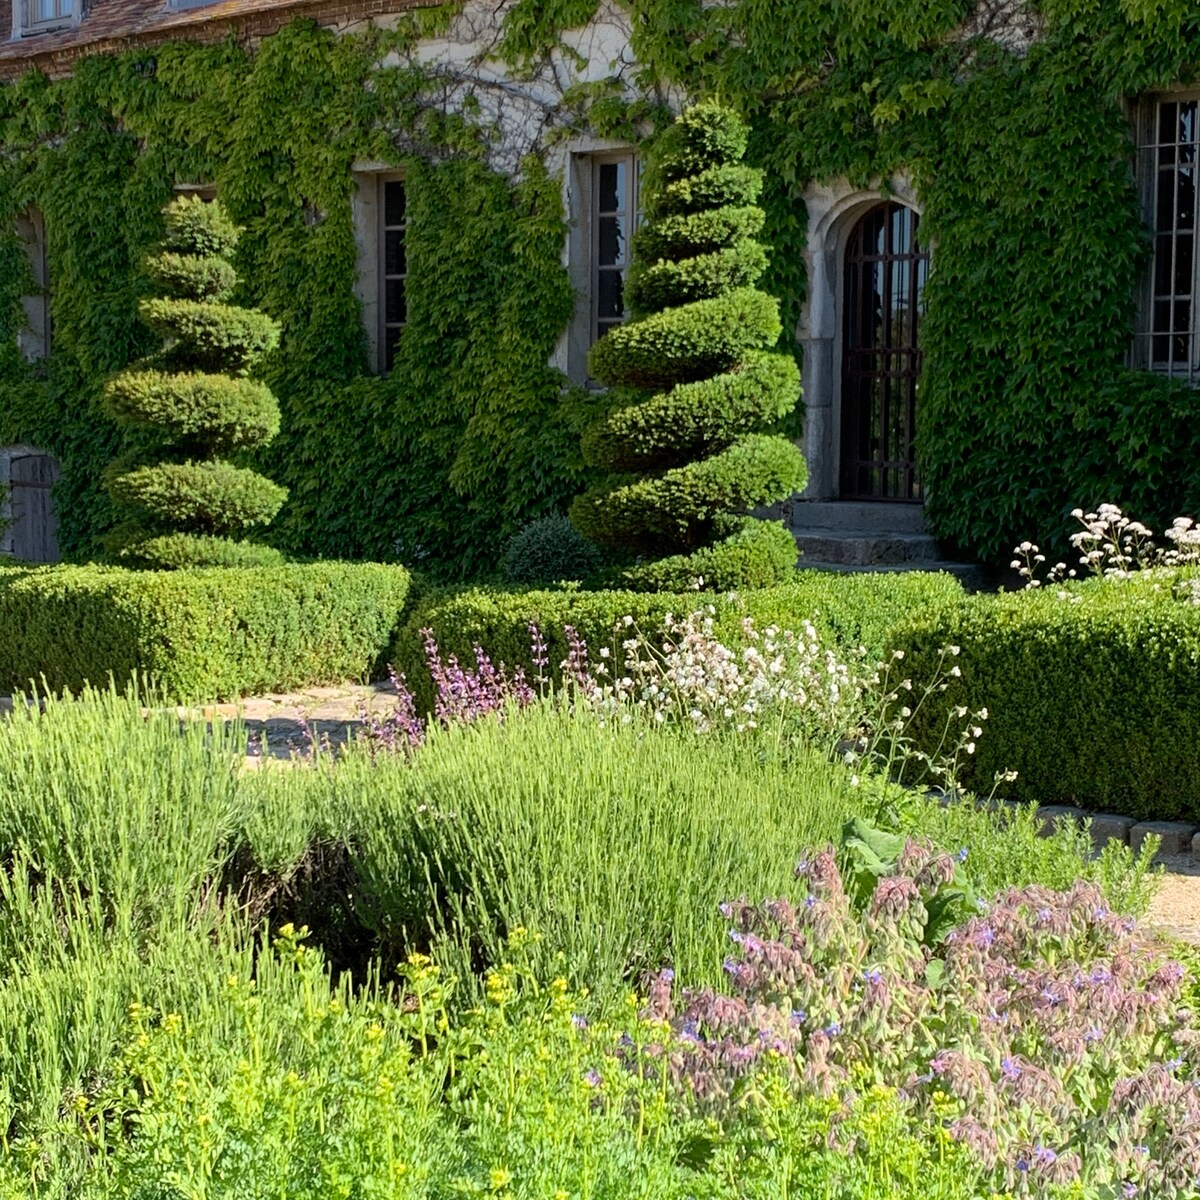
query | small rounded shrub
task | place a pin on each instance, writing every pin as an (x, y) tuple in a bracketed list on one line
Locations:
[(697, 385), (549, 550), (195, 394)]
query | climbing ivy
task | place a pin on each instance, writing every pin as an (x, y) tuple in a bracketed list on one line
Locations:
[(1008, 117), (467, 438)]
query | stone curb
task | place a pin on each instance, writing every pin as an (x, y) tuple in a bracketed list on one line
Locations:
[(1177, 837)]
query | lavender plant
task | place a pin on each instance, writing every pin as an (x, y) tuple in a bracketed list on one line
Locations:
[(463, 697)]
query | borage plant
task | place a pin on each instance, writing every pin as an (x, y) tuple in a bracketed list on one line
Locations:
[(1044, 1032)]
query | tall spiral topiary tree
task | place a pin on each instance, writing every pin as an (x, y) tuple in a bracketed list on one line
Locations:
[(695, 382), (196, 397)]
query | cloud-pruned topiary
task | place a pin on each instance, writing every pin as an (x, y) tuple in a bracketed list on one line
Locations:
[(696, 385), (187, 508)]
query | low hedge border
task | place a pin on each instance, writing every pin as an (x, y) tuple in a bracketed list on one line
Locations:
[(1092, 692), (207, 633), (851, 609)]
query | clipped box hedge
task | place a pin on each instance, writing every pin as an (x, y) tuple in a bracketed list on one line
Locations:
[(210, 633), (1093, 700), (852, 609)]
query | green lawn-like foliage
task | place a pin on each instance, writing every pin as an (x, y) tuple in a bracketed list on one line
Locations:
[(140, 859), (200, 633), (193, 393), (695, 386)]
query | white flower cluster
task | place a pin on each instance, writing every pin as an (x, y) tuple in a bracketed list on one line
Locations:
[(1114, 546), (782, 676)]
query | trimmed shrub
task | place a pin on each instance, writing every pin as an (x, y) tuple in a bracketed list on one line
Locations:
[(228, 414), (175, 550), (852, 610), (209, 634), (194, 394), (697, 383), (203, 497), (1093, 693), (548, 551)]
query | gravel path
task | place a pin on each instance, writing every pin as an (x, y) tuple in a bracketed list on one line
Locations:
[(1176, 907)]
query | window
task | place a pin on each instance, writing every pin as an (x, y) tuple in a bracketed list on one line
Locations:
[(1168, 337), (393, 268), (34, 339), (614, 219), (40, 15)]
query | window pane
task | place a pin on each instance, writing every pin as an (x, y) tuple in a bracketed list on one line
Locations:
[(611, 192), (1184, 251), (1187, 126), (610, 299), (611, 251), (1186, 197), (395, 305), (391, 338), (394, 202), (395, 257), (1168, 115)]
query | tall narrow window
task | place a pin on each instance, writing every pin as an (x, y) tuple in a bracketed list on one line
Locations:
[(1169, 336), (34, 339), (393, 268), (47, 14), (614, 220)]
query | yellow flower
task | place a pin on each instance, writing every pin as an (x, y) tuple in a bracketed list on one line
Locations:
[(499, 1178), (560, 1195)]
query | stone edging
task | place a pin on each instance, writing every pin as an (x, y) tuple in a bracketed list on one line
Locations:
[(1178, 837)]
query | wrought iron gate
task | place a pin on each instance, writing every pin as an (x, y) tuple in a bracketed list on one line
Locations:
[(885, 280)]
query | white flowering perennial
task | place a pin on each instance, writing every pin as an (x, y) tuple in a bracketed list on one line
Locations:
[(784, 684), (1114, 546)]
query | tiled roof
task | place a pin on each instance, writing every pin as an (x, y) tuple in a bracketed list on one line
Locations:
[(110, 25)]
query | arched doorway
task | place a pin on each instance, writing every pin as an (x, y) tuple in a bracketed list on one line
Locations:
[(31, 534), (883, 300)]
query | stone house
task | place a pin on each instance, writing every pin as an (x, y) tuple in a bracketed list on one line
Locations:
[(858, 277)]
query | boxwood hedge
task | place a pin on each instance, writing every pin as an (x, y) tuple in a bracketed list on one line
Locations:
[(211, 633), (851, 609), (1093, 693)]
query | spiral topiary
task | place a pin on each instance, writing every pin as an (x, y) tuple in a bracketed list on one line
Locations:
[(695, 383), (185, 509)]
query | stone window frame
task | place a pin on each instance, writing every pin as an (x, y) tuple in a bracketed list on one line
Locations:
[(370, 179), (1158, 345), (25, 25), (34, 339), (581, 182)]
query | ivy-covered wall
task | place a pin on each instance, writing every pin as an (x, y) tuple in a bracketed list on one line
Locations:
[(1009, 116), (464, 441)]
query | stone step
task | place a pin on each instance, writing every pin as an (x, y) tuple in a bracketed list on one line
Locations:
[(972, 576), (865, 548), (859, 517)]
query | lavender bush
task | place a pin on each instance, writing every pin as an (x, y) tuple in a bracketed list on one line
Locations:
[(783, 685), (1046, 1034)]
